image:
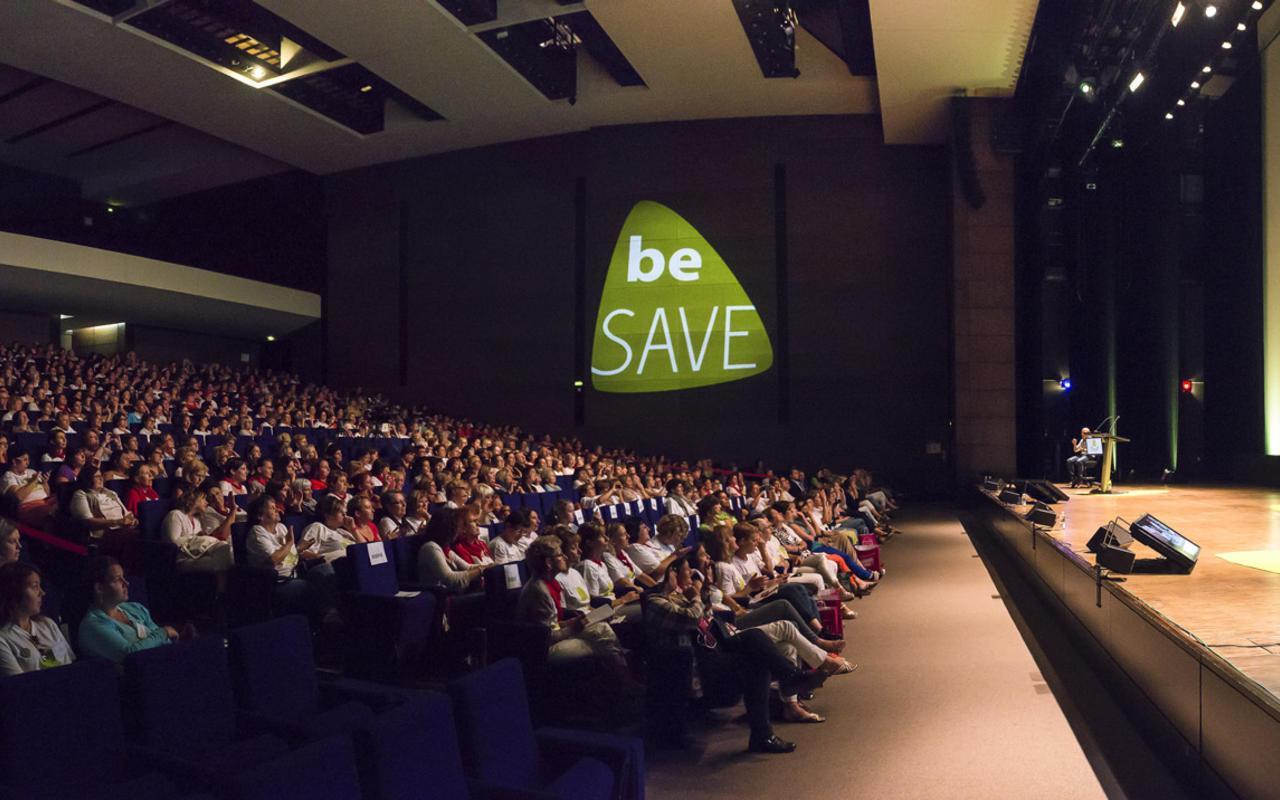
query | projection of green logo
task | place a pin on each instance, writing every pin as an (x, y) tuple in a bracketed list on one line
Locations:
[(672, 314)]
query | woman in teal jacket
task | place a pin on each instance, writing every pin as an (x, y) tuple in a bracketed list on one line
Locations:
[(113, 628)]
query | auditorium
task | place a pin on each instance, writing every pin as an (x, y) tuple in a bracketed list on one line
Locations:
[(512, 399)]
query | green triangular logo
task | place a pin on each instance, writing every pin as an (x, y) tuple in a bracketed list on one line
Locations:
[(672, 314)]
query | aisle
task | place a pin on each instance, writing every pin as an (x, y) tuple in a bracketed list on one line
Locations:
[(947, 701)]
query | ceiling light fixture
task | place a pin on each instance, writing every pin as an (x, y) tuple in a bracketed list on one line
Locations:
[(366, 88), (1206, 69), (1226, 45), (1257, 5), (1211, 11), (1181, 102), (1136, 83), (1240, 26), (1178, 13), (1195, 84), (1168, 115), (258, 73)]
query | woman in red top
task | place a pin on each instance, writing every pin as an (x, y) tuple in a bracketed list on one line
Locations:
[(469, 548), (320, 476), (140, 490), (361, 511)]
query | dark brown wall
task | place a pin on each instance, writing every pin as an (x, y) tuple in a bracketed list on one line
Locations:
[(487, 242)]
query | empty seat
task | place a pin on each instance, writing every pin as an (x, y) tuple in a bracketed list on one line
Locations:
[(323, 770), (180, 705), (61, 736), (492, 705)]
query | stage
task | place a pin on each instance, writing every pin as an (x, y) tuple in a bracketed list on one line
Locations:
[(1205, 647)]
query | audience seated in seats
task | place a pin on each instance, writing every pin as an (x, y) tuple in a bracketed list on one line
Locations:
[(542, 601), (141, 488), (30, 491), (621, 569), (515, 538), (28, 640), (677, 502), (360, 509), (10, 542), (329, 536), (677, 614), (586, 558), (652, 555), (114, 628), (396, 521), (101, 510), (271, 546), (197, 551), (69, 470), (467, 550)]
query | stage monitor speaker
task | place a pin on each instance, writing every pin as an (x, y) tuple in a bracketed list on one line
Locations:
[(1045, 491), (1116, 559), (1011, 497), (1095, 541), (1041, 514), (991, 484)]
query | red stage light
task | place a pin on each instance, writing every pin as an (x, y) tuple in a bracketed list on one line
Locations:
[(1187, 386)]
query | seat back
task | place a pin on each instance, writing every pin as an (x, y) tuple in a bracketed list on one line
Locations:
[(406, 556), (151, 516), (179, 696), (273, 667), (492, 706), (500, 599), (411, 747), (368, 577), (78, 705), (324, 769)]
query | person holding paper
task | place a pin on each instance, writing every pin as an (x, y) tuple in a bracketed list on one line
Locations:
[(515, 539), (1079, 459)]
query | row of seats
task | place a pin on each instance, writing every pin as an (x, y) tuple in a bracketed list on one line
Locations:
[(249, 718)]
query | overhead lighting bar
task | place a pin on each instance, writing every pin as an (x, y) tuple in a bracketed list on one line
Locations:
[(1138, 80)]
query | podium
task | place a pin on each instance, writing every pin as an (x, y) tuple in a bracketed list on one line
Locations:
[(1107, 442)]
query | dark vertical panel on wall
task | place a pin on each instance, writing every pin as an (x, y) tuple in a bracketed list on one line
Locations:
[(782, 342), (581, 369), (1233, 269), (402, 307)]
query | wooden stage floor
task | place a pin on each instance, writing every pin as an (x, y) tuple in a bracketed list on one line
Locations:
[(1232, 609)]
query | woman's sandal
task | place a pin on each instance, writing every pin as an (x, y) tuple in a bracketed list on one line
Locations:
[(837, 666), (792, 714)]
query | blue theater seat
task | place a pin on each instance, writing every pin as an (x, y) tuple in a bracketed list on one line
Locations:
[(61, 736), (323, 770), (151, 517), (274, 677), (180, 706), (386, 634), (492, 705)]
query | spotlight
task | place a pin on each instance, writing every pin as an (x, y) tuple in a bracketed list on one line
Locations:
[(1136, 83), (1065, 383), (1226, 45), (1168, 115), (1206, 69), (258, 73), (1257, 5), (1211, 11), (1187, 386), (1178, 13), (1181, 102), (1195, 84), (1240, 26), (577, 384), (1086, 87), (270, 338), (366, 88), (1117, 143)]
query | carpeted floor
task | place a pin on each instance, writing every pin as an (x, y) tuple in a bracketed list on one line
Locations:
[(947, 701)]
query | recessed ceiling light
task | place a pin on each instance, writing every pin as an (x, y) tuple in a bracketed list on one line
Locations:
[(1168, 115), (1206, 69), (1195, 84), (1211, 11), (1257, 5), (1240, 26), (1226, 45), (1182, 102)]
